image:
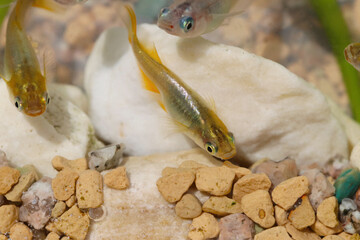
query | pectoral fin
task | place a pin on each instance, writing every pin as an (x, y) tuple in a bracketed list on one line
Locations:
[(177, 127), (3, 73), (210, 102), (2, 76)]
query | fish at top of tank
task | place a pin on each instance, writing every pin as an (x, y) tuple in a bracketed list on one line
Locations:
[(188, 19)]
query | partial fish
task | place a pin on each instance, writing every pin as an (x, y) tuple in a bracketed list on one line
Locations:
[(352, 55), (185, 106), (26, 83), (192, 18)]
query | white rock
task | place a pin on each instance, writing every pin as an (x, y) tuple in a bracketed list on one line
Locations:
[(140, 212), (351, 127), (64, 129), (352, 130), (272, 112), (355, 156)]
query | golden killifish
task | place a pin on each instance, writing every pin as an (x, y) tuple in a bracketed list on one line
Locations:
[(198, 121), (352, 55), (192, 18), (26, 83)]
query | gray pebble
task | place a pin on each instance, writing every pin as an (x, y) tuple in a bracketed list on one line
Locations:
[(38, 202), (106, 158), (320, 187), (349, 216), (278, 171), (236, 227)]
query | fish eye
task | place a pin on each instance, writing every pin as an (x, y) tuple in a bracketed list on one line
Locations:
[(18, 103), (164, 11), (47, 98), (186, 24), (211, 148), (231, 136)]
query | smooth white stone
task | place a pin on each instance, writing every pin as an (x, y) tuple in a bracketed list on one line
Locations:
[(272, 112)]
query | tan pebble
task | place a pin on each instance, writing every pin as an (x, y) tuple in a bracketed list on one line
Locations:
[(169, 171), (259, 208), (303, 215), (3, 237), (204, 227), (9, 215), (65, 238), (281, 216), (78, 165), (117, 179), (222, 206), (8, 178), (58, 209), (239, 171), (20, 231), (327, 212), (174, 186), (250, 183), (345, 236), (29, 168), (63, 184), (71, 201), (104, 14), (333, 237), (331, 180), (214, 180), (322, 230), (275, 233), (52, 236), (304, 234), (89, 189), (288, 192), (24, 183), (188, 207), (192, 165), (73, 223), (52, 228), (80, 31)]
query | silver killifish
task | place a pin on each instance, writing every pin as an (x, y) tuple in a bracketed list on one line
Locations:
[(21, 71), (192, 18), (185, 106)]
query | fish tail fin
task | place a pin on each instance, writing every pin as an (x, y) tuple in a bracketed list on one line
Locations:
[(129, 19), (49, 5)]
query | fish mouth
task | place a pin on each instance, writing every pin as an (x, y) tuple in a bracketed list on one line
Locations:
[(34, 112), (228, 155), (167, 26)]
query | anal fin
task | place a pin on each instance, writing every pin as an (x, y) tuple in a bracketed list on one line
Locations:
[(147, 83)]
